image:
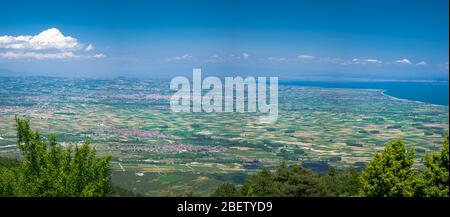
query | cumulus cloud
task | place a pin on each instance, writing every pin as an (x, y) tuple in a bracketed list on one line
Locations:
[(373, 61), (49, 44), (50, 39), (404, 61), (179, 58), (89, 47), (422, 63), (365, 61), (245, 56)]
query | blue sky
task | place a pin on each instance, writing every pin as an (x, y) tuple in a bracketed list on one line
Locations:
[(309, 40)]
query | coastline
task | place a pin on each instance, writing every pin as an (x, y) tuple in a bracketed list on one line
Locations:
[(385, 89), (383, 92)]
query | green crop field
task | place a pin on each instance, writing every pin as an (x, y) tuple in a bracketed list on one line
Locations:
[(156, 151)]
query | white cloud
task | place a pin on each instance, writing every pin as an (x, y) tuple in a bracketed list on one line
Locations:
[(179, 58), (35, 55), (373, 61), (404, 61), (100, 55), (422, 63), (245, 56), (43, 56), (49, 44), (365, 61), (50, 39), (89, 47), (276, 59), (305, 57)]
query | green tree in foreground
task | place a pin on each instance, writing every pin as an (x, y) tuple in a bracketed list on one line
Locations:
[(390, 173), (48, 169), (433, 182)]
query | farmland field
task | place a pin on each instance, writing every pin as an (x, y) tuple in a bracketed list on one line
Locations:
[(156, 151)]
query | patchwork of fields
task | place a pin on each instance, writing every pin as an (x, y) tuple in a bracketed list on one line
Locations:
[(156, 151)]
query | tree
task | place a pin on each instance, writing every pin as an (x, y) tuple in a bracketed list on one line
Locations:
[(259, 184), (390, 173), (433, 182), (226, 190), (7, 187), (293, 181), (297, 182), (339, 183), (48, 169), (347, 183)]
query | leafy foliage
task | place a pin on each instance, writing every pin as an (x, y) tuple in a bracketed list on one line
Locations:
[(226, 190), (49, 169), (293, 181), (433, 182), (390, 173)]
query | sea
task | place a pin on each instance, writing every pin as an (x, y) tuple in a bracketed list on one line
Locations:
[(436, 93)]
